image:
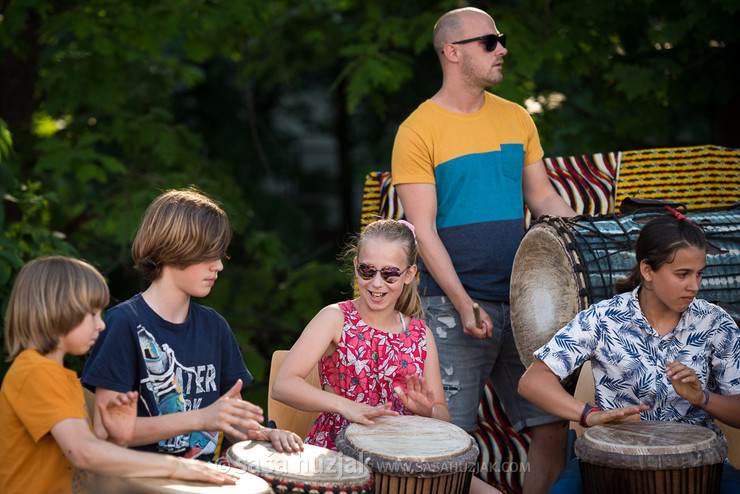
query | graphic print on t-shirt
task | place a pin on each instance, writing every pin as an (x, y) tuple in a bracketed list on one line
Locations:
[(170, 382)]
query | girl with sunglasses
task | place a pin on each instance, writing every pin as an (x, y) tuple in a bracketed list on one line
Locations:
[(374, 356)]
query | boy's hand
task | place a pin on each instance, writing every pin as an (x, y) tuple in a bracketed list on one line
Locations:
[(119, 416), (282, 440), (230, 413)]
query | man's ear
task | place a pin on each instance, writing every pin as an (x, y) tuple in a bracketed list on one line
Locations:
[(450, 52)]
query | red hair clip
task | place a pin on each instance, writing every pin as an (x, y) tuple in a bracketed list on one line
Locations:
[(677, 214)]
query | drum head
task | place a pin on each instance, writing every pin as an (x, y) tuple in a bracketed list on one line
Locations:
[(544, 295), (247, 484), (408, 438), (314, 466), (650, 445)]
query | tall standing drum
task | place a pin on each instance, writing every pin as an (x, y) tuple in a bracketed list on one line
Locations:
[(411, 454), (649, 457), (563, 265), (313, 470)]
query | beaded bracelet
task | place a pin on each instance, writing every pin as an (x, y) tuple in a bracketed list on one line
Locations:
[(590, 407), (706, 400)]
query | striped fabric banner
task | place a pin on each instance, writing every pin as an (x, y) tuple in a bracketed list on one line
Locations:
[(697, 177), (503, 452), (586, 182), (379, 199)]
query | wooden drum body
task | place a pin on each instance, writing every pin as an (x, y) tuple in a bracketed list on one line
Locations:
[(313, 470), (563, 265), (411, 454), (649, 457)]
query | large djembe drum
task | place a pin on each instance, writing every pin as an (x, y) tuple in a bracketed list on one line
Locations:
[(411, 454), (649, 457), (313, 470)]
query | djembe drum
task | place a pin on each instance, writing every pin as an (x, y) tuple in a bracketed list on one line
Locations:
[(650, 457), (411, 454), (247, 484), (563, 265), (312, 470)]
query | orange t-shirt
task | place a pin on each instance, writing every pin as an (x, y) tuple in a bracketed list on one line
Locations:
[(36, 394)]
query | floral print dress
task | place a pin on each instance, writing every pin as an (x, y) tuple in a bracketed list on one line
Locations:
[(365, 367)]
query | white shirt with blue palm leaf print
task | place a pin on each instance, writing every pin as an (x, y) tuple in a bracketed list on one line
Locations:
[(628, 356)]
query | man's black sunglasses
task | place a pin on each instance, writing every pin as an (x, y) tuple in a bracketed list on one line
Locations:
[(490, 39)]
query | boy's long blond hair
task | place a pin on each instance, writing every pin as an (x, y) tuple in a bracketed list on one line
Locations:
[(50, 297)]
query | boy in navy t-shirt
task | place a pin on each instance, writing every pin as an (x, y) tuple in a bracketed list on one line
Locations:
[(180, 356)]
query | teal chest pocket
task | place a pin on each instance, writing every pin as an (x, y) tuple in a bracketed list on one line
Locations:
[(512, 161)]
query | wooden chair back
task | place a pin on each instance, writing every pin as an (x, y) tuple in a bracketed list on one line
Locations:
[(285, 416)]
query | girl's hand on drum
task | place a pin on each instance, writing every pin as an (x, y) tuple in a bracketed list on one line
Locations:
[(187, 469), (418, 398), (685, 382), (119, 416), (231, 414), (468, 320), (362, 413), (615, 415), (282, 440)]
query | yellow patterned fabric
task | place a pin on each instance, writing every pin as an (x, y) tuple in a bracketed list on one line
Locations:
[(697, 177), (379, 199)]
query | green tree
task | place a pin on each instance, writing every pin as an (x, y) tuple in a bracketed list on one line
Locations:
[(110, 102), (25, 226)]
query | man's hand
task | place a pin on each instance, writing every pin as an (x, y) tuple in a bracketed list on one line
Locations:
[(467, 316)]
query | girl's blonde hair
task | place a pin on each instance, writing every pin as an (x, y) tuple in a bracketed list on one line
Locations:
[(180, 228), (50, 297), (409, 303)]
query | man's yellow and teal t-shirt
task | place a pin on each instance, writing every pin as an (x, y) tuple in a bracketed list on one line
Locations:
[(476, 161)]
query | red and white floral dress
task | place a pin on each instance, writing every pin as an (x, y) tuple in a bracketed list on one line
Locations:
[(365, 367)]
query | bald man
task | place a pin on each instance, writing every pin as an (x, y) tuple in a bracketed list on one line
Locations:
[(464, 163)]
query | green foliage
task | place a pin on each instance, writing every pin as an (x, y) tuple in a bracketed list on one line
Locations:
[(629, 73), (25, 225), (131, 97)]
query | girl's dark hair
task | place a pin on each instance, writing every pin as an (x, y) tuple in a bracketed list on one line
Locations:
[(657, 244), (409, 302)]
